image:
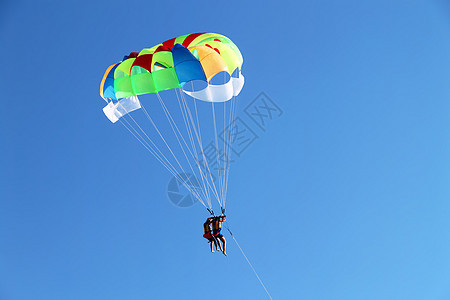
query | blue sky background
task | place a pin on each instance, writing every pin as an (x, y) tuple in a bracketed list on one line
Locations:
[(345, 196)]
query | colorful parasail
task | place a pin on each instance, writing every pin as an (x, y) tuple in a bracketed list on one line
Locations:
[(190, 65)]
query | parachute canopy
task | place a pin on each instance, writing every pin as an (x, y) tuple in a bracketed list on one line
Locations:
[(175, 62), (197, 137)]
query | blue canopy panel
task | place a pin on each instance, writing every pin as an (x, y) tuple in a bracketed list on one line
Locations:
[(108, 87), (187, 66)]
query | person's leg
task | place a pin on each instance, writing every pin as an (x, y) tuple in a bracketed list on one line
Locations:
[(218, 246), (217, 243), (211, 244), (224, 242)]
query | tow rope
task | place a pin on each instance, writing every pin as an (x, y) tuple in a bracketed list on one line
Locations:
[(248, 261)]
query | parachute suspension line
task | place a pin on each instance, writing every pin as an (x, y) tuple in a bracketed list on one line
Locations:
[(167, 145), (154, 145), (199, 140), (219, 173), (232, 136), (225, 145), (248, 261), (186, 107), (229, 143), (187, 146), (227, 157), (230, 139), (206, 161), (194, 149), (166, 164), (172, 121), (196, 194), (185, 114), (171, 170)]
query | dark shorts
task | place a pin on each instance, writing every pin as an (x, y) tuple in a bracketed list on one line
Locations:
[(217, 234)]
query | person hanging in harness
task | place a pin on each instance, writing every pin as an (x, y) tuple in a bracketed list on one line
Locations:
[(217, 227), (208, 234)]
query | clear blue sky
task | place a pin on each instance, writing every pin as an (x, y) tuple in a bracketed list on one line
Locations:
[(345, 196)]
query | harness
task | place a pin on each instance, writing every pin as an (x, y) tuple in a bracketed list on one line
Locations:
[(207, 227)]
